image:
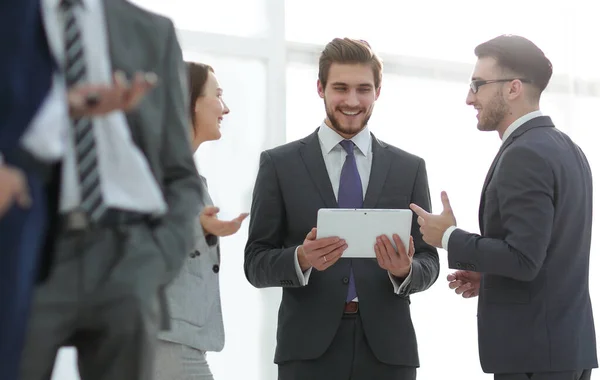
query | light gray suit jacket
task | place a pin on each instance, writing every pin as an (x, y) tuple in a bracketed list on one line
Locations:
[(194, 298), (142, 41)]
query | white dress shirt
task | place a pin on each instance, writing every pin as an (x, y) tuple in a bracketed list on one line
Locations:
[(126, 179), (335, 156), (511, 128)]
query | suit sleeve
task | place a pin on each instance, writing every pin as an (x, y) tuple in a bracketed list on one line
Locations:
[(266, 262), (525, 195), (181, 183), (426, 263)]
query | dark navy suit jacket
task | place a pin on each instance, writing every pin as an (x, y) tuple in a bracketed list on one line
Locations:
[(25, 79)]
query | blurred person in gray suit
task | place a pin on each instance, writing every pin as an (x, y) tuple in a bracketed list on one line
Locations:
[(194, 297), (124, 195), (530, 265)]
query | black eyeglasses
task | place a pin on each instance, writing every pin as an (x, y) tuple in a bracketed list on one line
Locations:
[(475, 84)]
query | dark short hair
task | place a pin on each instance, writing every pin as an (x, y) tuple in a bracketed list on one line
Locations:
[(197, 77), (520, 56), (349, 51)]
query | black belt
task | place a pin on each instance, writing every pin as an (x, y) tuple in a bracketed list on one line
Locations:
[(79, 221)]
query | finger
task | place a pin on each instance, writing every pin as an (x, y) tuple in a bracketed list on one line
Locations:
[(401, 248), (231, 227), (324, 242), (463, 288), (136, 92), (120, 80), (23, 199), (21, 190), (312, 235), (419, 211), (379, 256), (320, 247), (322, 262), (240, 218), (455, 284), (76, 101), (471, 293), (384, 254), (327, 250), (420, 220), (411, 250), (390, 250), (151, 79), (451, 277), (446, 203), (334, 256), (210, 210)]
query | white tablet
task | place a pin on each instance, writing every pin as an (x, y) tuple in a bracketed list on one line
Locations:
[(361, 227)]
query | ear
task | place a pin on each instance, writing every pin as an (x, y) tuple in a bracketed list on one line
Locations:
[(377, 93), (515, 89), (320, 89)]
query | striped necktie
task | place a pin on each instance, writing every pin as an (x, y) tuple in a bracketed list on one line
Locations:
[(92, 203)]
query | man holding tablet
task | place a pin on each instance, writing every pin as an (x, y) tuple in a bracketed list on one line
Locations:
[(350, 318)]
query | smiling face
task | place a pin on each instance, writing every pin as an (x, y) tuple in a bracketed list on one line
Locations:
[(208, 112), (349, 97), (489, 102)]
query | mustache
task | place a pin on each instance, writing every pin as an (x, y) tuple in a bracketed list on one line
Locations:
[(347, 109)]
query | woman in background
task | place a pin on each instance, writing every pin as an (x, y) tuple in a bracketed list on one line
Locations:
[(194, 298)]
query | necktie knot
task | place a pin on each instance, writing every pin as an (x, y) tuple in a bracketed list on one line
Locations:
[(348, 146)]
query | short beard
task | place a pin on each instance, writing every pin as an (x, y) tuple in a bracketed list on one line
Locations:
[(338, 126), (493, 114)]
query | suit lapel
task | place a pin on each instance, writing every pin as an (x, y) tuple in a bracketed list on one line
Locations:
[(541, 121), (379, 172), (312, 156), (121, 40)]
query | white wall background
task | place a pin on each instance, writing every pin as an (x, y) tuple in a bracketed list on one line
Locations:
[(265, 54)]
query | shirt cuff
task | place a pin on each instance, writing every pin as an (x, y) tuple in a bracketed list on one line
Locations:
[(302, 277), (400, 288), (446, 237)]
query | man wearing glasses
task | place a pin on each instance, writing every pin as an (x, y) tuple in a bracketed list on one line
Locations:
[(530, 265)]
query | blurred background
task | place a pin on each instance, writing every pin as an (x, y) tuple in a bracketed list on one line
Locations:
[(265, 54)]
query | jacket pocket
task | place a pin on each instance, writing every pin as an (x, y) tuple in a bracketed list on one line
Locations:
[(500, 289)]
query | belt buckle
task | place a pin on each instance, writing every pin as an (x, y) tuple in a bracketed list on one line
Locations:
[(351, 308), (77, 221)]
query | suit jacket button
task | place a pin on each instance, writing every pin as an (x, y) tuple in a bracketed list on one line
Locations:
[(194, 254), (458, 265), (345, 280), (216, 268)]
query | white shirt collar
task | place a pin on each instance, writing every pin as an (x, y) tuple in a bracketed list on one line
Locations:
[(520, 121), (330, 139)]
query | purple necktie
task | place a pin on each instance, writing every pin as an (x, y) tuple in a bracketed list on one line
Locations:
[(350, 195)]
